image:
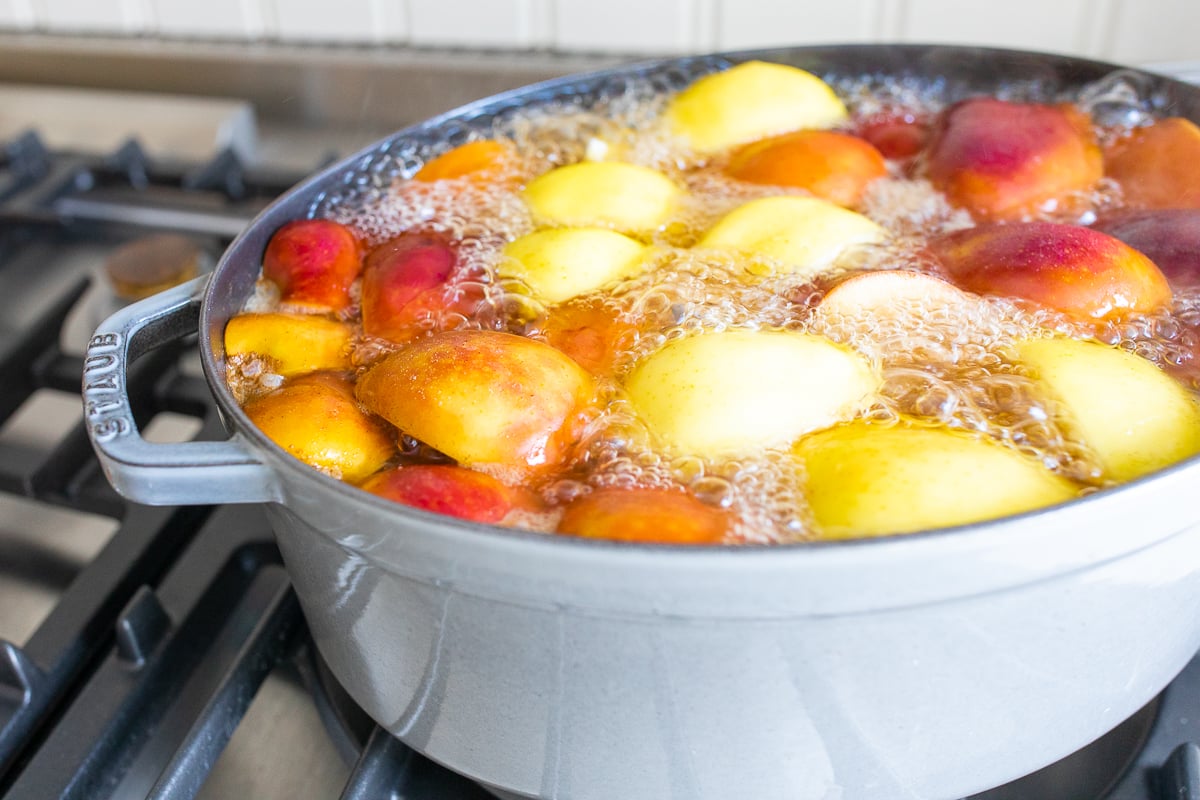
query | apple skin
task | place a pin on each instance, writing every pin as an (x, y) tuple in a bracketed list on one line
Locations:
[(651, 516), (750, 101), (897, 134), (736, 392), (444, 489), (1134, 416), (316, 419), (1170, 237), (1002, 160), (803, 234), (875, 480), (833, 166), (293, 343), (313, 262), (1158, 166), (561, 263), (1076, 270), (607, 194), (404, 280), (879, 293), (482, 397), (479, 161)]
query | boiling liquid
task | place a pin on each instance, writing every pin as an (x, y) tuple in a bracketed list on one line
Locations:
[(942, 365)]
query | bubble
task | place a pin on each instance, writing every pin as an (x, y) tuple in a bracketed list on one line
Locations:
[(1121, 99)]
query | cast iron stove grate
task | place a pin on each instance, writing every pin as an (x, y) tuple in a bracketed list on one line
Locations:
[(143, 669)]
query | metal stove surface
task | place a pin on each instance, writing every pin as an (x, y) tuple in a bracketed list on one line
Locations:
[(72, 554), (159, 652)]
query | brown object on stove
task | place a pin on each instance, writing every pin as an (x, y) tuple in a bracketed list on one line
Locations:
[(150, 264)]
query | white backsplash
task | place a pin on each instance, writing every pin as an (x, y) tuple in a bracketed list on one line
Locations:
[(1132, 31)]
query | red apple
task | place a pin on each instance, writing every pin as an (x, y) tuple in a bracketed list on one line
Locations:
[(656, 516), (1170, 237), (897, 134), (444, 489), (1002, 160), (1078, 271), (313, 262), (405, 279)]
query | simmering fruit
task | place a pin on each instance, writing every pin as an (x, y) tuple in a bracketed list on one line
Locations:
[(481, 397), (762, 309), (316, 419), (1001, 160), (313, 261), (1135, 417), (1158, 166), (644, 515), (804, 235), (866, 480), (1070, 268), (750, 101), (735, 392), (833, 166)]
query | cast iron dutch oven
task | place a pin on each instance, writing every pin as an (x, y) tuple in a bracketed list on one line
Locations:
[(931, 665)]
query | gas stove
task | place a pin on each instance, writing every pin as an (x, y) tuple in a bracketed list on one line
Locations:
[(160, 652)]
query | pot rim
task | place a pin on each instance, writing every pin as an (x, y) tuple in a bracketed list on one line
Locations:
[(983, 534)]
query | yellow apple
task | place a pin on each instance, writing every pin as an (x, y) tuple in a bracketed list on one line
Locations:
[(872, 480), (751, 101), (562, 263), (482, 397), (736, 392), (294, 343), (806, 235), (316, 419), (611, 194), (1133, 415)]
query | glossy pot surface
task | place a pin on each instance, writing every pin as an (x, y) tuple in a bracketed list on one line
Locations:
[(933, 665)]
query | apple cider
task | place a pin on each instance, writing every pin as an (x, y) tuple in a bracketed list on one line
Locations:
[(763, 309)]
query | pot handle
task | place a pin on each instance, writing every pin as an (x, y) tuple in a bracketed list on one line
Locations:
[(188, 473)]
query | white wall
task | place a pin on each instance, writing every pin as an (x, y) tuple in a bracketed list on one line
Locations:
[(1131, 31)]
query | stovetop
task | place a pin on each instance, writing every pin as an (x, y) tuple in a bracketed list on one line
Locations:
[(160, 652)]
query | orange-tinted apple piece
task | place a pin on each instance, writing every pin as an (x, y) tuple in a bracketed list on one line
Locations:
[(1076, 270), (1158, 166), (482, 397), (313, 262), (1001, 160), (404, 280), (444, 489), (655, 516), (589, 332), (483, 160), (833, 166), (316, 419)]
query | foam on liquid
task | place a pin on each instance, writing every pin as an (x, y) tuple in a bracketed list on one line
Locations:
[(942, 364)]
